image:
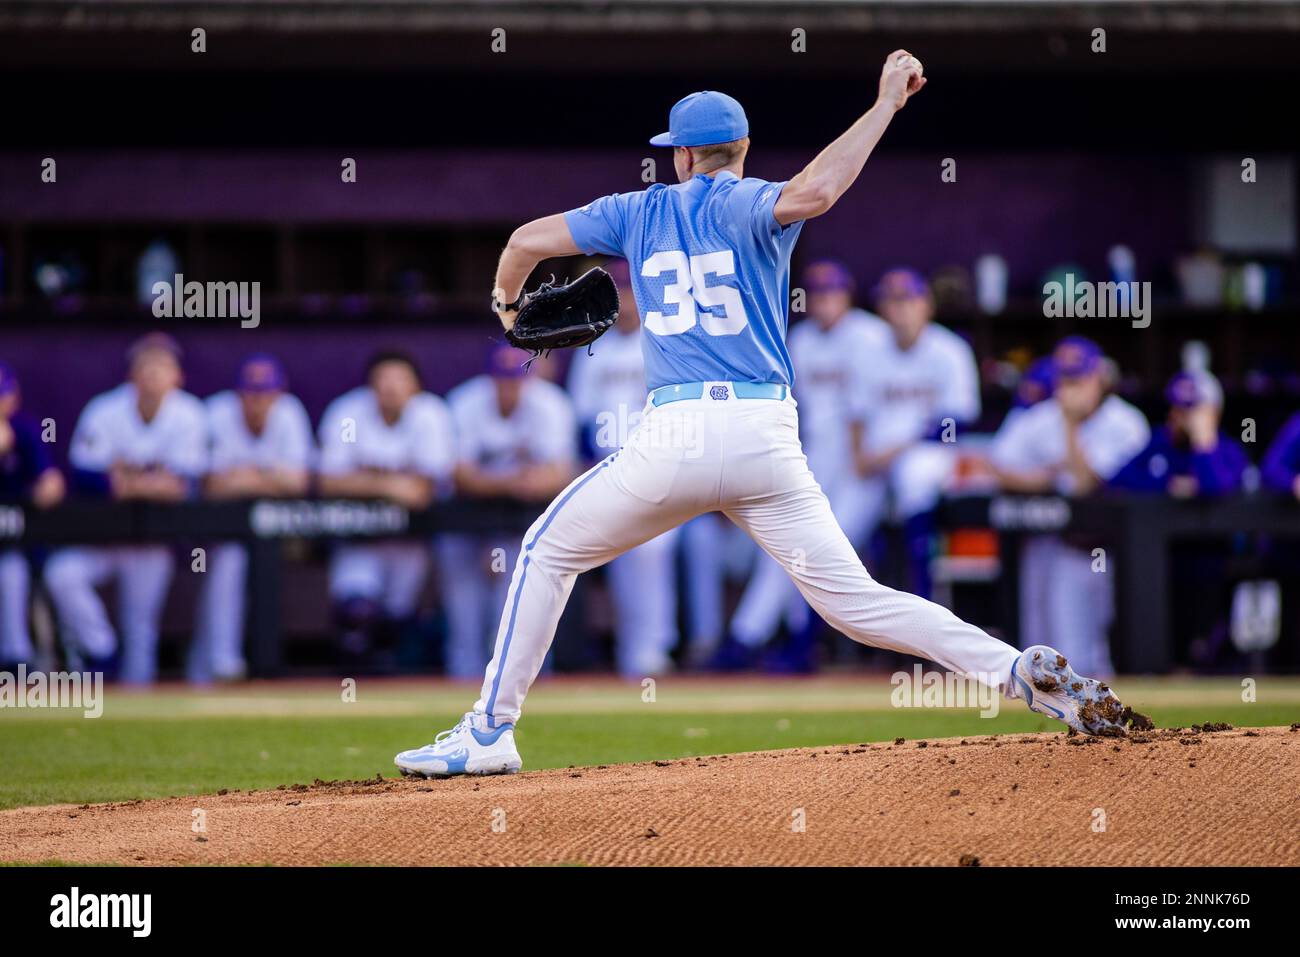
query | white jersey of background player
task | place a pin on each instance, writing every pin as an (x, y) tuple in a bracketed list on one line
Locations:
[(516, 437), (711, 259), (609, 395), (829, 351), (262, 447), (145, 440), (1069, 444), (387, 439), (920, 390)]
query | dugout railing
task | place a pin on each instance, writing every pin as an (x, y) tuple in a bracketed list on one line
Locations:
[(1138, 532)]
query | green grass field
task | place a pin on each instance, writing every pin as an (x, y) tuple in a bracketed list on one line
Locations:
[(172, 742)]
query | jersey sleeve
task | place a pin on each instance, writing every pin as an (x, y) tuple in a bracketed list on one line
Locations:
[(582, 388), (187, 452), (434, 455), (601, 225), (92, 440), (221, 453), (961, 392), (557, 442), (1012, 445), (296, 449), (753, 203), (1124, 440)]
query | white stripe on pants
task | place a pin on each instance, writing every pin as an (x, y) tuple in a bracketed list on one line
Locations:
[(742, 457)]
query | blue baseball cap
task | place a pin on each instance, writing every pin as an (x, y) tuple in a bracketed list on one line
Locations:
[(8, 380), (1076, 356), (703, 119)]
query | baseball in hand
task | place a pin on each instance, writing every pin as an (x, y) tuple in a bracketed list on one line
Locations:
[(907, 61)]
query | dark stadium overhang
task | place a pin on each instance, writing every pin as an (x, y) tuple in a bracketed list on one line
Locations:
[(999, 35)]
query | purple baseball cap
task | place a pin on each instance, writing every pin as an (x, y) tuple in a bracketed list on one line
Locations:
[(1036, 382), (1189, 389), (261, 372), (8, 380), (827, 275), (703, 119), (507, 362), (1076, 356), (900, 284)]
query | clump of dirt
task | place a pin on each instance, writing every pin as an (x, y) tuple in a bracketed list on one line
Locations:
[(1211, 726), (1136, 720), (1002, 804)]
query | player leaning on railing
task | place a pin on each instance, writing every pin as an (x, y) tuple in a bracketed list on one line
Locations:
[(710, 260)]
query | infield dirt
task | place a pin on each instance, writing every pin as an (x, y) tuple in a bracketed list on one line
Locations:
[(1181, 797)]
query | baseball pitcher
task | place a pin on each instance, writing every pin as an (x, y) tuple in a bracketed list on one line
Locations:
[(710, 263)]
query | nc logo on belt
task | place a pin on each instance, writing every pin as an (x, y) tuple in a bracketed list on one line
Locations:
[(718, 392)]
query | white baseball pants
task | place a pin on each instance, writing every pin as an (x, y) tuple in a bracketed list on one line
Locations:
[(643, 586), (742, 457), (143, 574), (217, 650), (915, 482), (1066, 604)]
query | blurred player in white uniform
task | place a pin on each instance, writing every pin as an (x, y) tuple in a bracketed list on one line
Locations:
[(1070, 444), (516, 438), (830, 352), (261, 448), (921, 389), (387, 439), (609, 394), (145, 440), (27, 474)]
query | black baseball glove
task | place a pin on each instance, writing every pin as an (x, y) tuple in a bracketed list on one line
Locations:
[(565, 316)]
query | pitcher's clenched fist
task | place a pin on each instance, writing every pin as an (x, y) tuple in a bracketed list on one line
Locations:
[(902, 76)]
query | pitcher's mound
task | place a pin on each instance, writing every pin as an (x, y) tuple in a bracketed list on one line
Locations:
[(1191, 796)]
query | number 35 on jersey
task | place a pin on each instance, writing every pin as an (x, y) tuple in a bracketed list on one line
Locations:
[(687, 293)]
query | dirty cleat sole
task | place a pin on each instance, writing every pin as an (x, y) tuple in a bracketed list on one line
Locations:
[(1051, 687)]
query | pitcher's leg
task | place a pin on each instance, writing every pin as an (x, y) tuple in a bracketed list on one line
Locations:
[(592, 521), (800, 523)]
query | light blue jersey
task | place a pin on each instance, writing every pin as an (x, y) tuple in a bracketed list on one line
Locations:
[(710, 268)]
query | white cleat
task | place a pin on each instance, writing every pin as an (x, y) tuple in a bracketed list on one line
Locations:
[(1051, 687), (471, 747)]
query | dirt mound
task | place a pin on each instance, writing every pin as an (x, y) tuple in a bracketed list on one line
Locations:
[(1166, 797)]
